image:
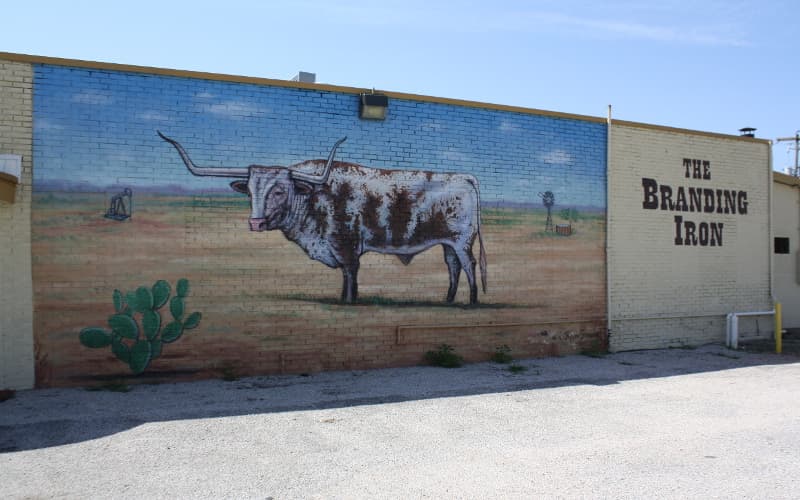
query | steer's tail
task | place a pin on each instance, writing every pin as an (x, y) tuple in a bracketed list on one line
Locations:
[(482, 255), (482, 258)]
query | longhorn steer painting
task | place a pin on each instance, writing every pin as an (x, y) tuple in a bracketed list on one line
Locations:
[(269, 306), (343, 212)]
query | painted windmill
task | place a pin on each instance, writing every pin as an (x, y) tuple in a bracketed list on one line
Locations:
[(548, 200)]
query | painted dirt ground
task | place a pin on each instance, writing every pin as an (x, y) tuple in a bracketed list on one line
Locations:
[(267, 308)]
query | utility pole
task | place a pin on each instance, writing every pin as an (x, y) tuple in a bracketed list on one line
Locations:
[(796, 140)]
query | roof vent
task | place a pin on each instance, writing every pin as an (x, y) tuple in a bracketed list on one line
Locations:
[(304, 77), (747, 132)]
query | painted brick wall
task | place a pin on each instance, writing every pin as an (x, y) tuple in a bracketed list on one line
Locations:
[(666, 294), (266, 306), (16, 331)]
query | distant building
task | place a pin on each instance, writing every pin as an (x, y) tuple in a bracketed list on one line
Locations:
[(786, 232)]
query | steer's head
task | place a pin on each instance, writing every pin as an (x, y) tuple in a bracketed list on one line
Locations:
[(272, 192)]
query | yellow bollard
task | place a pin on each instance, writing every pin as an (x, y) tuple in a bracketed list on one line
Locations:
[(778, 329)]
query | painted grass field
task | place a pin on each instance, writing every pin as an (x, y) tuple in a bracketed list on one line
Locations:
[(268, 308)]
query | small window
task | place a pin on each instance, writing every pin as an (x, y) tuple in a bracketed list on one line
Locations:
[(781, 245)]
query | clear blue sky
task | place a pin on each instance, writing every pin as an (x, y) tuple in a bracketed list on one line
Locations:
[(705, 65)]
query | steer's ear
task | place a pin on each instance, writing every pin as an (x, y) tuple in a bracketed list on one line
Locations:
[(239, 186), (303, 187)]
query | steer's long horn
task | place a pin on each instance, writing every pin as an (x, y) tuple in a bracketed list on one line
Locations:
[(205, 171), (323, 177)]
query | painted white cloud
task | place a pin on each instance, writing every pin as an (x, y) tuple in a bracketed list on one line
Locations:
[(454, 155), (234, 110), (430, 126), (507, 126), (92, 97), (152, 116), (46, 124), (557, 157)]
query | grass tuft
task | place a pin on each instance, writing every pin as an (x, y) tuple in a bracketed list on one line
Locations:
[(445, 357), (502, 355)]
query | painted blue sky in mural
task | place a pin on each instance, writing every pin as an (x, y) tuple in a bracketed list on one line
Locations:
[(100, 133)]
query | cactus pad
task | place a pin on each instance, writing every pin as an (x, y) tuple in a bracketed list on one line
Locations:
[(182, 287), (120, 350), (117, 298), (130, 299), (172, 332), (95, 337), (124, 325), (161, 291), (176, 308), (140, 356), (192, 321), (151, 323), (144, 299)]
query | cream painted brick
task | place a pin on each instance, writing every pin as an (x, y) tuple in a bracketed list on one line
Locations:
[(16, 289), (662, 294)]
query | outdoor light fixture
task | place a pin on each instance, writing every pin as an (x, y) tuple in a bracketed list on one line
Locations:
[(373, 106)]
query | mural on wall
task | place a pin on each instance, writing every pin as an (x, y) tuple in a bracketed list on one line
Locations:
[(395, 189), (121, 206), (348, 210), (136, 346), (548, 200)]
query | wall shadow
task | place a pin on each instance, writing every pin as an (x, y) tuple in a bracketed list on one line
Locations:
[(54, 417)]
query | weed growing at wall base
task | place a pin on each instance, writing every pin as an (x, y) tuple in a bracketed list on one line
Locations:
[(228, 373), (125, 337), (502, 354), (445, 357)]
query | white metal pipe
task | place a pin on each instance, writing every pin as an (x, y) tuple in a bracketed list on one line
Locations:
[(732, 326), (756, 313), (609, 244), (728, 330)]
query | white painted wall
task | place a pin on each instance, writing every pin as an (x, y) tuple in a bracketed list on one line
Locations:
[(663, 294)]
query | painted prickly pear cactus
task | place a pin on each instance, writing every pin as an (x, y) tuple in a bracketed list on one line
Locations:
[(137, 343)]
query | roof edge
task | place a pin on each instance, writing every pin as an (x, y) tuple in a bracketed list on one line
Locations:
[(687, 131), (782, 178), (78, 63)]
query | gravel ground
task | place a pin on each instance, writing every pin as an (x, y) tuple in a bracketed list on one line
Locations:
[(707, 422)]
